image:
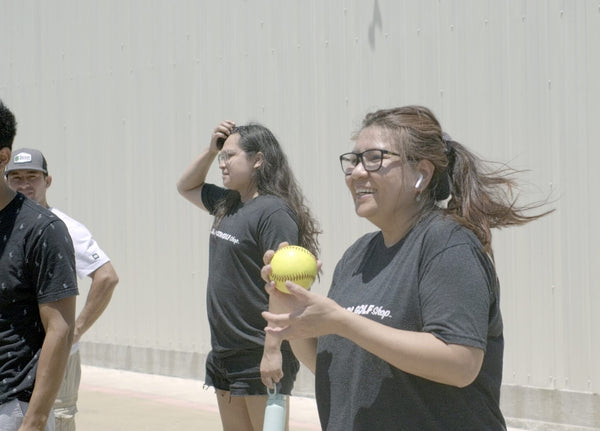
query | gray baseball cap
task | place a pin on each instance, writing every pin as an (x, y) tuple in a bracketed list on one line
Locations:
[(26, 158)]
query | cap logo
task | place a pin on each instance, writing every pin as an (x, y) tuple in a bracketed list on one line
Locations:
[(22, 158)]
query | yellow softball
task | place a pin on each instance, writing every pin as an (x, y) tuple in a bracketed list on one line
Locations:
[(293, 263)]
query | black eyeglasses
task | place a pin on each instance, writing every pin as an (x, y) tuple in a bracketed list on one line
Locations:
[(370, 159)]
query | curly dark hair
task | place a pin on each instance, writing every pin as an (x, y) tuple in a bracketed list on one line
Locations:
[(273, 177), (8, 126)]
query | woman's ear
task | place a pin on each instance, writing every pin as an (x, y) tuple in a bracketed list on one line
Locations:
[(259, 159), (424, 170)]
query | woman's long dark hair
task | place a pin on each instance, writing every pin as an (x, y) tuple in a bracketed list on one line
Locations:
[(480, 198), (273, 177)]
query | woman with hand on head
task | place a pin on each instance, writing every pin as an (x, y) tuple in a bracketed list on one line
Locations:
[(410, 336), (260, 206)]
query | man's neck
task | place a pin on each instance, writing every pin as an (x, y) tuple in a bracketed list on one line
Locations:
[(6, 194)]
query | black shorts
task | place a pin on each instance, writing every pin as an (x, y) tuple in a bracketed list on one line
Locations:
[(239, 372)]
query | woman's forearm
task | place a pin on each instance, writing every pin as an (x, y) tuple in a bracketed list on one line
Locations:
[(190, 184), (417, 353), (306, 352)]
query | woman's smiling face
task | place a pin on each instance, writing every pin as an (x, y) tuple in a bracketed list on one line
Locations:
[(381, 196)]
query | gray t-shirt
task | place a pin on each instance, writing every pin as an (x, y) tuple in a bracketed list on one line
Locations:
[(436, 279), (236, 293)]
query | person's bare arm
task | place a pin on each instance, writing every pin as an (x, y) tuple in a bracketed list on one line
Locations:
[(104, 280), (190, 184), (418, 353), (305, 349), (271, 364), (58, 319)]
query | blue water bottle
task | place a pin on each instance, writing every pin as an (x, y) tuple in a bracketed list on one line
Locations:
[(275, 411)]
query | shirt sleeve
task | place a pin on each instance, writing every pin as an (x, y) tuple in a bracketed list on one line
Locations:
[(88, 254), (277, 227), (455, 296), (211, 195), (54, 264)]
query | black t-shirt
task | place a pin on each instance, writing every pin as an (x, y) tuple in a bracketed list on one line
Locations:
[(37, 266), (236, 292), (436, 279)]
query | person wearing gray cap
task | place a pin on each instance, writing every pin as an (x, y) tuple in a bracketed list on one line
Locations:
[(37, 302), (27, 173)]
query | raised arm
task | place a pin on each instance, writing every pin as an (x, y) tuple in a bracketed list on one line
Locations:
[(58, 319), (193, 178)]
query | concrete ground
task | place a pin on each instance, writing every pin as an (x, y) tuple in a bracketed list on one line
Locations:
[(116, 400)]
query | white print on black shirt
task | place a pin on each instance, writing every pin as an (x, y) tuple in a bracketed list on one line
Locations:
[(225, 236), (370, 309)]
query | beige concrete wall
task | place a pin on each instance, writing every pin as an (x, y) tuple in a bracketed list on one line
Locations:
[(120, 95)]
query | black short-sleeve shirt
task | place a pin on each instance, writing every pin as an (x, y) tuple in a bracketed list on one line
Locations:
[(437, 279), (37, 266), (236, 293)]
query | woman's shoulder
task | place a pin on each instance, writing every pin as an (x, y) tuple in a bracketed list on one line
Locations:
[(270, 200), (270, 203), (444, 230)]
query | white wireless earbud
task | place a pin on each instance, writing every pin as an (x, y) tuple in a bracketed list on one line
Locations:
[(418, 183)]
